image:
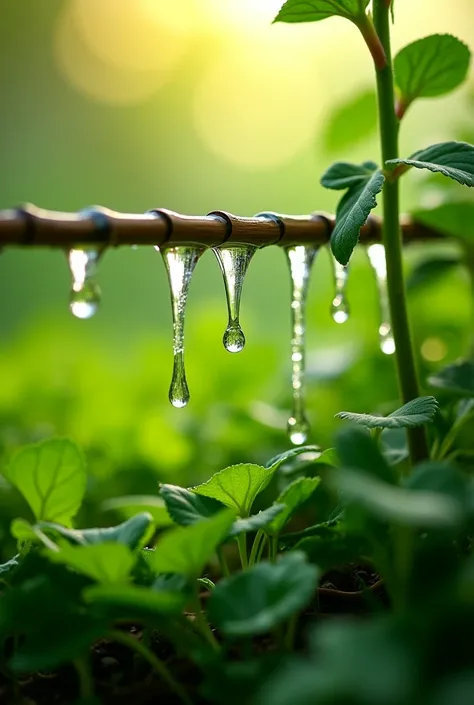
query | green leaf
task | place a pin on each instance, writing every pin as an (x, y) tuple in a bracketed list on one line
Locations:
[(430, 67), (315, 10), (186, 550), (133, 533), (351, 122), (421, 508), (292, 497), (237, 485), (135, 601), (130, 505), (256, 521), (342, 175), (186, 507), (430, 271), (207, 583), (51, 477), (103, 562), (415, 413), (351, 213), (452, 159), (356, 449), (453, 219), (261, 598), (334, 548), (283, 458), (24, 531), (457, 379)]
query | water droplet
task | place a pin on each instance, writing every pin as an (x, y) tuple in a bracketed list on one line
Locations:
[(300, 259), (339, 306), (180, 262), (85, 292), (376, 255), (234, 261)]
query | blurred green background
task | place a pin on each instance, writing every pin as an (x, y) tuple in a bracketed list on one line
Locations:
[(197, 105)]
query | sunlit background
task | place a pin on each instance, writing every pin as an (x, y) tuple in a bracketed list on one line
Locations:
[(197, 105)]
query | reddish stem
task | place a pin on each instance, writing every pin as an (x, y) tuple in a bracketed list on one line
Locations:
[(372, 40)]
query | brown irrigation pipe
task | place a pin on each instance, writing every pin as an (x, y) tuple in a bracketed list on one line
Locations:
[(30, 226)]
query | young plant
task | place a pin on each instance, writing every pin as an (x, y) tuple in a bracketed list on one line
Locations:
[(428, 67)]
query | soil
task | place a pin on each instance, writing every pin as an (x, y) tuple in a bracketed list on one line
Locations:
[(122, 678)]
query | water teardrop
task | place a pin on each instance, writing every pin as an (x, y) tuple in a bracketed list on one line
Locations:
[(376, 255), (233, 262), (339, 306), (85, 292), (180, 262), (300, 259)]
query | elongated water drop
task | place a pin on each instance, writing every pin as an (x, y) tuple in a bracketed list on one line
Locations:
[(85, 292), (376, 255), (300, 259), (234, 261), (339, 306), (180, 262)]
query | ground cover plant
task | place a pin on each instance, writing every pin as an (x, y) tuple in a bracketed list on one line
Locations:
[(343, 575)]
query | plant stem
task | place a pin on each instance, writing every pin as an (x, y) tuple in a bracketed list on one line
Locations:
[(255, 546), (203, 625), (86, 684), (222, 562), (388, 126), (242, 543), (154, 661)]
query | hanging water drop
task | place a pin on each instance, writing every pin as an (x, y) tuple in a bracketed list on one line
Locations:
[(300, 259), (180, 262), (234, 261), (339, 306), (376, 255), (85, 292)]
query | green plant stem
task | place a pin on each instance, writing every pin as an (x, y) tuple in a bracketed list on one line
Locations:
[(154, 661), (261, 548), (242, 543), (222, 562), (388, 125), (255, 546), (86, 684), (273, 548)]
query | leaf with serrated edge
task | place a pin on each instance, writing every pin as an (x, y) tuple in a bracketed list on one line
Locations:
[(262, 597), (51, 477), (430, 67), (105, 563), (292, 497), (417, 508), (186, 550), (342, 175), (237, 485), (352, 212), (452, 159), (415, 413), (186, 507), (315, 10)]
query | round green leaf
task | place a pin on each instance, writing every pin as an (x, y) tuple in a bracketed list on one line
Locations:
[(105, 563), (237, 485), (430, 67), (52, 478), (261, 598)]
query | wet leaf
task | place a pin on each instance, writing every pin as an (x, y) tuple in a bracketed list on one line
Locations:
[(342, 175), (430, 67), (315, 10), (262, 597), (292, 497), (352, 212), (452, 159), (186, 550), (415, 413), (52, 478), (134, 532), (457, 379), (103, 562), (237, 485)]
